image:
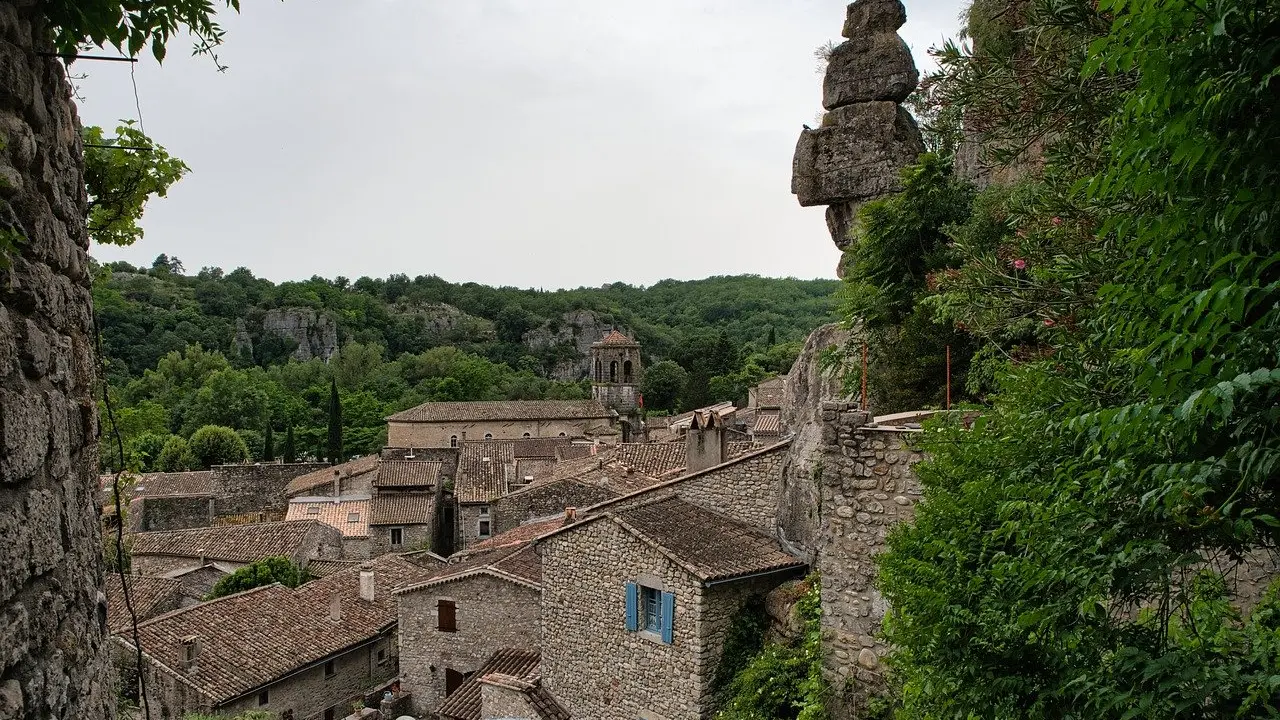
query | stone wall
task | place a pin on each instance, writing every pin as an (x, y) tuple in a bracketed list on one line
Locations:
[(257, 488), (867, 486), (54, 660), (498, 701), (745, 489), (490, 614), (538, 501), (414, 537), (436, 435), (171, 512)]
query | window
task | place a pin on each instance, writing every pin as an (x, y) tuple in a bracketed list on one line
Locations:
[(599, 372), (613, 371), (453, 441), (484, 511), (626, 371), (446, 616), (452, 680), (562, 435), (650, 610), (382, 655), (353, 517), (526, 435), (313, 509), (329, 669), (397, 537), (331, 713), (263, 698), (488, 436), (483, 528)]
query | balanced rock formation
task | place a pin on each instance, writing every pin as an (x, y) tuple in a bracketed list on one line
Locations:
[(866, 137)]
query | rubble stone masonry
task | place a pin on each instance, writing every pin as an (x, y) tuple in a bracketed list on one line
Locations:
[(867, 486), (54, 660)]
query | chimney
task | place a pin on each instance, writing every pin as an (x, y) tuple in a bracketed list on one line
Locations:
[(188, 651), (366, 582), (335, 607), (706, 444), (570, 515), (337, 482)]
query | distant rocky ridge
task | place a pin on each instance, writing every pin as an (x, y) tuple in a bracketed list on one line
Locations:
[(315, 333), (866, 137), (573, 333)]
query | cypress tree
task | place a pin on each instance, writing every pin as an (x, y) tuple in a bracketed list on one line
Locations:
[(290, 451), (335, 424), (268, 445), (773, 337)]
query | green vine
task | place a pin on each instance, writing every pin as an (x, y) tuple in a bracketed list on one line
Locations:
[(783, 680)]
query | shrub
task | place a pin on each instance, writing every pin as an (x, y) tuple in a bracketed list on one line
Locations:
[(217, 445), (264, 572), (175, 456)]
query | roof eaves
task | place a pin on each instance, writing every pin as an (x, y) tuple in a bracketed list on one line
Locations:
[(651, 542), (466, 575)]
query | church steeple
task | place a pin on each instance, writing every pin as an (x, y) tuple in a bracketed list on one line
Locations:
[(616, 376)]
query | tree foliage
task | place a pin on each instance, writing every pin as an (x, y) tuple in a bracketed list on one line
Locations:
[(217, 445), (119, 182), (131, 25), (1076, 551), (257, 574)]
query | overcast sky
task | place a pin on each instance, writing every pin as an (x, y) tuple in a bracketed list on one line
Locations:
[(547, 143)]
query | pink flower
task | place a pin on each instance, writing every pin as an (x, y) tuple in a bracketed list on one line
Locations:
[(1048, 322), (1020, 264), (1057, 220)]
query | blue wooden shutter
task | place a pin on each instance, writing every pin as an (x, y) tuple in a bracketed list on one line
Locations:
[(668, 615), (633, 595)]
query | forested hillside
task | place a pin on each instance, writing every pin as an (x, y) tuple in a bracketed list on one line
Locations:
[(230, 349)]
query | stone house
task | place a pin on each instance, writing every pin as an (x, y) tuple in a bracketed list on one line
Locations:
[(452, 621), (305, 653), (449, 424), (349, 515), (508, 685), (648, 590), (401, 522), (174, 552), (354, 477)]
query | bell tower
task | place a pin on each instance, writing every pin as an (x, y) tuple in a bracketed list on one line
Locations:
[(616, 376)]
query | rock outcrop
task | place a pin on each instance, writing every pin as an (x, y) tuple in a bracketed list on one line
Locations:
[(53, 613), (315, 333), (573, 334), (867, 137)]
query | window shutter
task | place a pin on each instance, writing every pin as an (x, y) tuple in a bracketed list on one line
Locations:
[(446, 616), (668, 615), (633, 598)]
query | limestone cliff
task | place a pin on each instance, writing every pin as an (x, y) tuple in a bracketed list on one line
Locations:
[(53, 613), (866, 137), (315, 333), (572, 335)]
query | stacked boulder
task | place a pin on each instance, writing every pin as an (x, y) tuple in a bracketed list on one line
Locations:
[(866, 136)]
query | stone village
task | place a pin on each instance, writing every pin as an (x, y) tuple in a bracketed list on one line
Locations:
[(538, 559)]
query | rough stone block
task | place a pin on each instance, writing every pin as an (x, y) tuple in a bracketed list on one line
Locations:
[(858, 157), (869, 68), (873, 16)]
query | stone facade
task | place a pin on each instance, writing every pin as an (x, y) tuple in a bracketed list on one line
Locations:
[(491, 614), (412, 537), (592, 664), (256, 488), (172, 512), (321, 542), (54, 660), (545, 500), (468, 524)]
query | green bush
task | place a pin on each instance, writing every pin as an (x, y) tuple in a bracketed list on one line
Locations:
[(175, 456), (264, 572), (217, 445)]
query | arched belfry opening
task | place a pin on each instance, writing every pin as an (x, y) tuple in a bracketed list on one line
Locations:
[(599, 372), (626, 372), (613, 371)]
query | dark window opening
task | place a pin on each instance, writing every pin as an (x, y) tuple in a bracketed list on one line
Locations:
[(599, 372), (650, 609), (446, 616), (397, 536), (452, 680), (264, 697), (453, 441), (331, 713), (626, 372), (330, 669), (613, 371), (382, 656), (484, 529)]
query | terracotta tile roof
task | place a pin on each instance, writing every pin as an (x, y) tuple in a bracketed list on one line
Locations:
[(540, 447), (740, 447), (235, 543), (769, 392), (768, 425), (402, 509), (502, 410), (574, 451), (615, 338), (325, 568), (518, 535), (482, 470), (348, 516), (178, 484), (652, 459), (324, 476), (517, 563), (509, 667), (150, 596), (709, 545), (253, 638), (408, 473)]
